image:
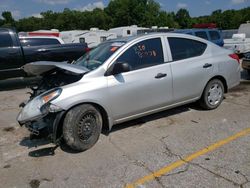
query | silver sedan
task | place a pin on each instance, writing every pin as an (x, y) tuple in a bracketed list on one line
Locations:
[(124, 79)]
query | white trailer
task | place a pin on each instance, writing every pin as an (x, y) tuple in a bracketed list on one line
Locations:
[(92, 37), (240, 42), (126, 31)]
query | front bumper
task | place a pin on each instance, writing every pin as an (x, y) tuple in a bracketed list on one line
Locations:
[(45, 127)]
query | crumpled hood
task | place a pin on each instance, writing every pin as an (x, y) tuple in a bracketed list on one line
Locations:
[(40, 67)]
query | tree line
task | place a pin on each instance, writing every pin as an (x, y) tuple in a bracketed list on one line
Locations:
[(144, 13)]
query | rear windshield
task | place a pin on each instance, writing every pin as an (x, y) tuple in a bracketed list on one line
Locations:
[(99, 55), (38, 41)]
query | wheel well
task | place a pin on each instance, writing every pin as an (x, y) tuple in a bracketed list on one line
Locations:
[(103, 112), (223, 80)]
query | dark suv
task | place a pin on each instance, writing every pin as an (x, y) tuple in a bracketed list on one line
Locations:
[(213, 35)]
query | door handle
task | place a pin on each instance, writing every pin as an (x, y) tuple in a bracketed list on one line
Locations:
[(160, 75), (207, 65)]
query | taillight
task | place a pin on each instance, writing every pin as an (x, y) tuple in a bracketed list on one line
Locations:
[(236, 57), (87, 49)]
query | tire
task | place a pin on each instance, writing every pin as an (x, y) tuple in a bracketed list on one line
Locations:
[(248, 72), (213, 95), (82, 127)]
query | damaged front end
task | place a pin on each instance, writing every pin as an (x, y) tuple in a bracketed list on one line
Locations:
[(39, 115)]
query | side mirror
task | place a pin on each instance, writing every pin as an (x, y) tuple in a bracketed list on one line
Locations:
[(120, 67)]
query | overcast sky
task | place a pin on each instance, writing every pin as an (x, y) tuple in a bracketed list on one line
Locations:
[(26, 8)]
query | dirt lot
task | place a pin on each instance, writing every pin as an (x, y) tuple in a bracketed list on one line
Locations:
[(182, 147)]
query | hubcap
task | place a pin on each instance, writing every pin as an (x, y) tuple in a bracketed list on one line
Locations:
[(214, 94), (86, 126)]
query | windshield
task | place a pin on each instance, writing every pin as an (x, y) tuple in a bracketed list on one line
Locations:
[(99, 55)]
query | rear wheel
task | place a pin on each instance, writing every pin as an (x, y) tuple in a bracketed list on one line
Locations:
[(212, 95), (82, 127)]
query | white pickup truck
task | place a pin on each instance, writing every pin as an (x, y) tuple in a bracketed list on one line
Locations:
[(240, 42)]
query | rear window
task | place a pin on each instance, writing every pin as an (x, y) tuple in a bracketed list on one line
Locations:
[(182, 48), (5, 40), (201, 34), (38, 41), (214, 35)]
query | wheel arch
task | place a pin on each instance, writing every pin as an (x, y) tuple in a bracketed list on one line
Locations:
[(222, 79), (219, 77), (58, 123)]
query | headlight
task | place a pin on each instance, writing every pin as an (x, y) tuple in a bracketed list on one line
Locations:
[(38, 107), (47, 97)]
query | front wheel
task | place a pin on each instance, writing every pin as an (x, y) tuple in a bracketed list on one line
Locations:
[(82, 127), (212, 95)]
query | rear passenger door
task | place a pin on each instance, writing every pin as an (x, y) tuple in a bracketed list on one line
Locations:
[(190, 70), (42, 49)]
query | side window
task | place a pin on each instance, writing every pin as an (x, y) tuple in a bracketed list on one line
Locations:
[(103, 38), (24, 42), (5, 40), (182, 48), (143, 54), (214, 35), (201, 34), (82, 40)]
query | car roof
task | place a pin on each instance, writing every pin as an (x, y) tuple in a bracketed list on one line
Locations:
[(156, 34)]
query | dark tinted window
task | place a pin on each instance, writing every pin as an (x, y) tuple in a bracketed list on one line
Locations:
[(201, 34), (214, 35), (182, 48), (143, 54), (5, 39), (82, 40), (38, 41)]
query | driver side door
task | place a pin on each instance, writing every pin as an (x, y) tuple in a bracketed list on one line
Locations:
[(146, 87)]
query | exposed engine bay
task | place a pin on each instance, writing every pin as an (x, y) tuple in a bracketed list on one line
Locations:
[(38, 114), (52, 79)]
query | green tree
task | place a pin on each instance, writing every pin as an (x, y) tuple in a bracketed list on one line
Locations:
[(183, 18), (8, 19), (145, 13)]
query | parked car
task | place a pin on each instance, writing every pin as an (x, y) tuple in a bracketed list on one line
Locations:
[(124, 79), (246, 63), (213, 35), (15, 53)]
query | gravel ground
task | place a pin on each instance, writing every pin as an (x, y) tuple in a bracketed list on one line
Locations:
[(135, 149)]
